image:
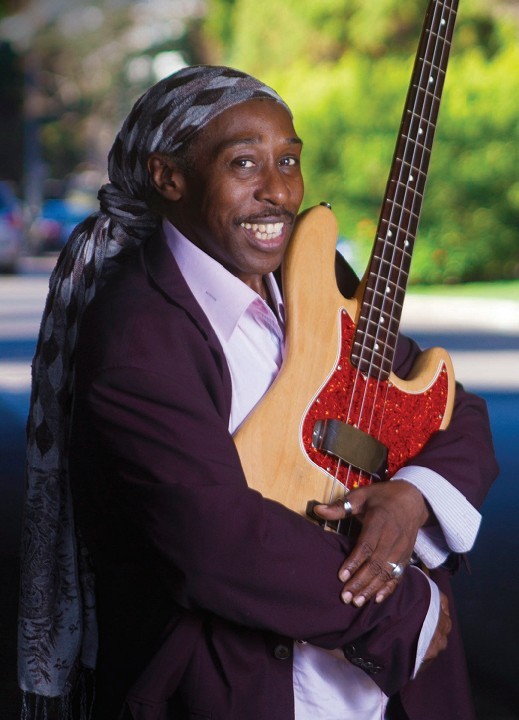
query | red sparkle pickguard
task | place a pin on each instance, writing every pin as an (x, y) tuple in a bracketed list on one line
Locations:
[(402, 421)]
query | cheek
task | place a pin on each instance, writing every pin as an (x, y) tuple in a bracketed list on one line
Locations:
[(299, 193), (221, 194)]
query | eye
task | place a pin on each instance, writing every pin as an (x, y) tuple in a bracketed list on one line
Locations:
[(289, 162), (243, 163)]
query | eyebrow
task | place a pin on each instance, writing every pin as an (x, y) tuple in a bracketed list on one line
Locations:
[(233, 142)]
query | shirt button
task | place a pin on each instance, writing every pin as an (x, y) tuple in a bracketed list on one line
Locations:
[(282, 652)]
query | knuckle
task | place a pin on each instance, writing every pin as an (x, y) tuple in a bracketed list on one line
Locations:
[(376, 567), (366, 549), (355, 586), (353, 563)]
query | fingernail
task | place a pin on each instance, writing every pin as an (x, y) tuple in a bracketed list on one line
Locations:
[(379, 598), (346, 597), (344, 575), (359, 600)]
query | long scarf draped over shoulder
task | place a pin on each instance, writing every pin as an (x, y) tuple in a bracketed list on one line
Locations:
[(57, 628)]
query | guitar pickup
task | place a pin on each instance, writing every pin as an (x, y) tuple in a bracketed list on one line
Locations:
[(353, 446)]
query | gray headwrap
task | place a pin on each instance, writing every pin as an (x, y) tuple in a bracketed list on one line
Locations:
[(57, 635)]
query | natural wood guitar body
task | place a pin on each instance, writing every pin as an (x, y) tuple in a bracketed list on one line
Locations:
[(316, 381)]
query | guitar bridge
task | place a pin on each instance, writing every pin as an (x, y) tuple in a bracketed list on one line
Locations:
[(353, 446)]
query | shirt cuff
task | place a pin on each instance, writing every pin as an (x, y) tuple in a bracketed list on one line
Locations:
[(429, 624), (458, 520)]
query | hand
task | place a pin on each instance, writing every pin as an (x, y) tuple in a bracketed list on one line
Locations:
[(391, 514), (439, 639)]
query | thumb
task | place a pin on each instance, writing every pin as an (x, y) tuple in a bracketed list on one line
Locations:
[(350, 504)]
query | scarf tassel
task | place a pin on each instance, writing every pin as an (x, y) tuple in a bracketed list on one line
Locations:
[(75, 705)]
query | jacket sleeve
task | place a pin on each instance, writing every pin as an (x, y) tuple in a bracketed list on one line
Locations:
[(153, 461)]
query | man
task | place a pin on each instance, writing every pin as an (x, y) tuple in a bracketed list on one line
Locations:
[(211, 600)]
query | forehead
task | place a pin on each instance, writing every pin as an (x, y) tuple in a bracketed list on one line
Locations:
[(253, 122)]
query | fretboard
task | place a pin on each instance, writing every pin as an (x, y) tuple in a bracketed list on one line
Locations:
[(386, 278)]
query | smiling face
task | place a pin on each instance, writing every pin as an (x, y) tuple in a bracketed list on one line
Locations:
[(239, 198)]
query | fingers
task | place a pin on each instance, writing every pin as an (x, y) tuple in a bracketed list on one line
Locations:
[(378, 560), (385, 544), (390, 514), (371, 577)]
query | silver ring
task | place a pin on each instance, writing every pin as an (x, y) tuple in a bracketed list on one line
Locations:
[(347, 508), (397, 571)]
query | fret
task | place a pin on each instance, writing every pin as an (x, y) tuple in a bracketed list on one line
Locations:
[(398, 238), (432, 66), (388, 269), (389, 292), (369, 367), (419, 127), (409, 186), (377, 358), (406, 213), (412, 169), (427, 92), (398, 244), (390, 233), (399, 257), (377, 321), (439, 36), (396, 253), (410, 189), (428, 100), (377, 334), (399, 234), (412, 159), (405, 196)]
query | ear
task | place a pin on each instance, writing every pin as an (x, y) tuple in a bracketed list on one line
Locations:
[(166, 176)]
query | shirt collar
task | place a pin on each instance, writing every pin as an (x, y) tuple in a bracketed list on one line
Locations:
[(221, 295)]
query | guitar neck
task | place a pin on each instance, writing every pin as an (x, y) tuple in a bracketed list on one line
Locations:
[(388, 270)]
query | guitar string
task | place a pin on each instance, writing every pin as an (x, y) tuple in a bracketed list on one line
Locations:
[(428, 58), (440, 52), (440, 42), (368, 349), (410, 143)]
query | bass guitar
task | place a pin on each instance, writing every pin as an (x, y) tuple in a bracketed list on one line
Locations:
[(337, 417)]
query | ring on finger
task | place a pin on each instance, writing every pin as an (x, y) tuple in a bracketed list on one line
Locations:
[(397, 571), (347, 508)]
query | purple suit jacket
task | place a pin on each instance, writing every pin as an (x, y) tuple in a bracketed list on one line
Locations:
[(202, 584)]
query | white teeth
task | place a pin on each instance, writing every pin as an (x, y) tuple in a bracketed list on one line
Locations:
[(264, 231)]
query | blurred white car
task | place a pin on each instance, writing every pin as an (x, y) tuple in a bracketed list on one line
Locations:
[(11, 229)]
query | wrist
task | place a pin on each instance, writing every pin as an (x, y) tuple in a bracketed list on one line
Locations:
[(416, 502)]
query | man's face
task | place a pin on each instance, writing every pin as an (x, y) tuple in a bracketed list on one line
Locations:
[(244, 188)]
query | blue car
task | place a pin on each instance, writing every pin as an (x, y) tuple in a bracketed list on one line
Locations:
[(58, 217)]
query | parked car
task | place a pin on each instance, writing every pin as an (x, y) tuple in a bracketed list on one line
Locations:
[(51, 228), (11, 229)]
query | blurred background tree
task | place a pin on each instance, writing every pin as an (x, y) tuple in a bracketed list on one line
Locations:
[(342, 65), (81, 66)]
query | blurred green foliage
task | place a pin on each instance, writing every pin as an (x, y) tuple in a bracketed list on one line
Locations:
[(344, 67)]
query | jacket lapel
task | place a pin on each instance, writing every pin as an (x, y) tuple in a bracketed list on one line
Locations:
[(163, 271)]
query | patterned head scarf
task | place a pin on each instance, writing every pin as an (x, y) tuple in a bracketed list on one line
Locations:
[(57, 636)]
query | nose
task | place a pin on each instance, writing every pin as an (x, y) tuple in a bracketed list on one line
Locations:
[(274, 185)]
